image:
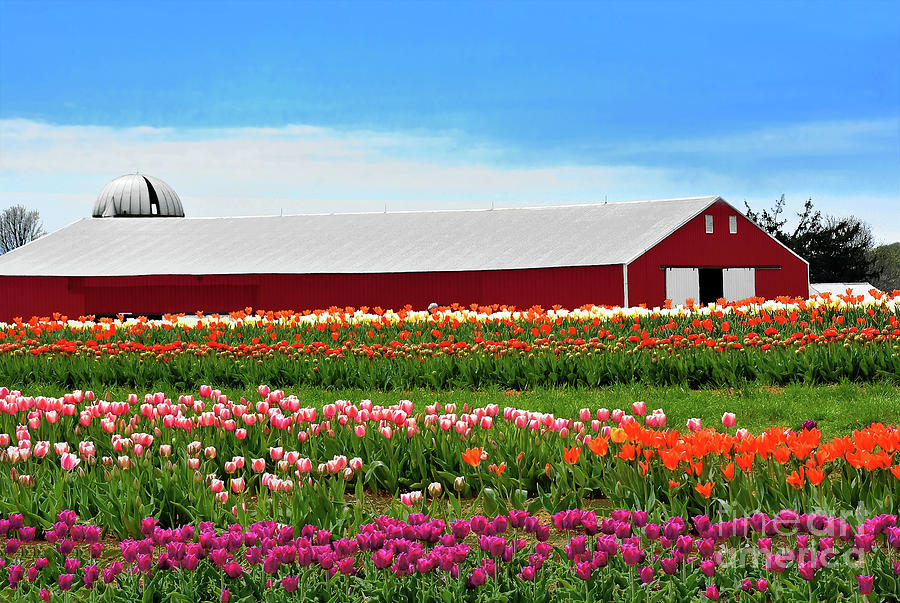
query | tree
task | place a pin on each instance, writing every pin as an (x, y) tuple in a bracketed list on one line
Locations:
[(19, 226), (837, 249), (886, 260)]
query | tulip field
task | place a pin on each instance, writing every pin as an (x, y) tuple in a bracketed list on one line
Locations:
[(181, 460)]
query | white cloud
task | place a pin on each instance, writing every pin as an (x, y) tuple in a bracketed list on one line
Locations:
[(299, 168), (799, 139)]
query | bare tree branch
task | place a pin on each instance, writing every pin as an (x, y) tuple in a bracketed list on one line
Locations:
[(19, 226)]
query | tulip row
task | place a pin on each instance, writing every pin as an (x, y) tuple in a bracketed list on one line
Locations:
[(196, 458), (814, 341), (509, 365), (577, 555)]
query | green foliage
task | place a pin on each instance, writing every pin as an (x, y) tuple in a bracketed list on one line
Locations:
[(837, 249)]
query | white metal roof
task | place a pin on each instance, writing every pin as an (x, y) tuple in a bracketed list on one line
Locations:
[(423, 241)]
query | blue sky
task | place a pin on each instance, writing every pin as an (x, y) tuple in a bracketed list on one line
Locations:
[(306, 107)]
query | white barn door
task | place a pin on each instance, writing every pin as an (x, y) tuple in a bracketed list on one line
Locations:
[(681, 284), (739, 283)]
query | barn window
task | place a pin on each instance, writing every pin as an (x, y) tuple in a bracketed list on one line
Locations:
[(732, 224), (709, 223)]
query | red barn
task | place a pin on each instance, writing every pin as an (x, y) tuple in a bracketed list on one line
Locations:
[(138, 255)]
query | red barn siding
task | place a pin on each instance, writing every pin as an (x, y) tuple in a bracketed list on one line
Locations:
[(691, 246), (74, 296)]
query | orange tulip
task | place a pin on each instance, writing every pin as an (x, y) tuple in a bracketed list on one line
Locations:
[(896, 471), (473, 456), (599, 446), (745, 461), (498, 469), (705, 490), (572, 455), (670, 458), (815, 475), (728, 471), (795, 479), (782, 455), (673, 483), (627, 452)]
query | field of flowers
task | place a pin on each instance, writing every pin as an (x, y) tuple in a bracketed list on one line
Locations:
[(196, 494), (817, 341)]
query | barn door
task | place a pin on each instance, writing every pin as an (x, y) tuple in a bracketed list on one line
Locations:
[(739, 283), (681, 284)]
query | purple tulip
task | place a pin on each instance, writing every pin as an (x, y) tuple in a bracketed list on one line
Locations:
[(762, 585), (382, 558), (478, 578), (71, 565), (12, 546), (646, 574), (65, 581), (712, 592), (807, 571), (15, 574), (866, 584), (27, 533), (233, 569), (747, 585), (669, 565), (290, 583), (632, 555), (91, 574), (583, 570), (527, 573)]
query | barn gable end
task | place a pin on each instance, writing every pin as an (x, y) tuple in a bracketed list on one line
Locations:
[(758, 264)]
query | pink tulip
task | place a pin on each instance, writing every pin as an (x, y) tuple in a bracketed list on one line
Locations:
[(729, 419), (41, 449), (258, 465), (238, 485), (263, 391), (639, 408), (694, 424), (69, 461), (411, 498), (584, 414)]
